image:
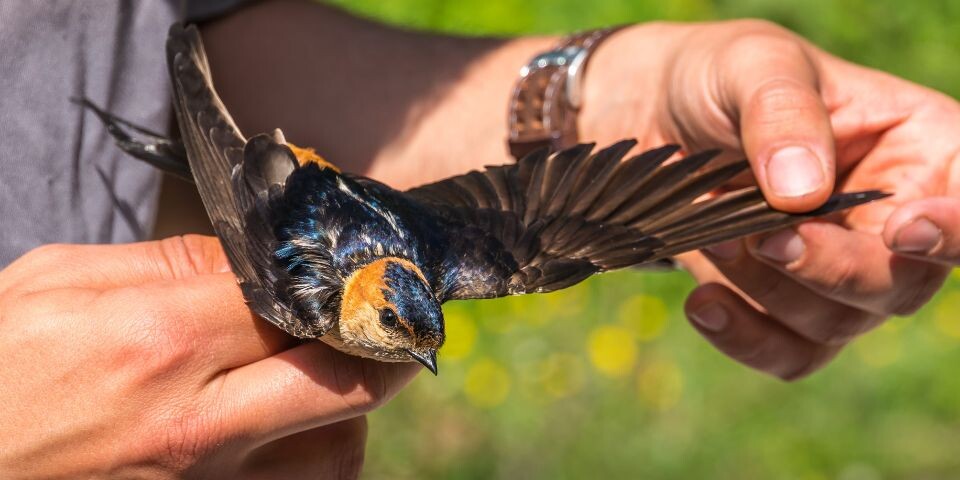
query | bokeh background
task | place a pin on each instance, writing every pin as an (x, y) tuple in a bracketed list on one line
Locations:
[(607, 380)]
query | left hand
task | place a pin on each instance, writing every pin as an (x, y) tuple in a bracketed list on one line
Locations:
[(124, 360), (787, 302)]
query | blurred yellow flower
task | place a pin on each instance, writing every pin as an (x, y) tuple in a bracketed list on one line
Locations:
[(947, 314), (487, 384), (646, 315), (461, 336), (561, 374), (660, 384), (612, 350)]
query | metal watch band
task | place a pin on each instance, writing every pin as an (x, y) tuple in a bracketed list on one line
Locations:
[(545, 101)]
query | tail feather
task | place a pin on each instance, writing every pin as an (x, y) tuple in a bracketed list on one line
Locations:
[(165, 154)]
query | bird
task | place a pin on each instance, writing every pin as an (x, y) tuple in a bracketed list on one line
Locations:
[(329, 255)]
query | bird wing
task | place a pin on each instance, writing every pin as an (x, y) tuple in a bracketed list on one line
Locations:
[(559, 219), (236, 180)]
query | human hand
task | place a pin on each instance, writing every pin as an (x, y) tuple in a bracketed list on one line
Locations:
[(143, 360), (787, 302)]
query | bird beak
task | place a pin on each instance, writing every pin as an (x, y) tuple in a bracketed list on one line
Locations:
[(427, 359)]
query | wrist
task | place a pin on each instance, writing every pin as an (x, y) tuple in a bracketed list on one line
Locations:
[(624, 83), (462, 126)]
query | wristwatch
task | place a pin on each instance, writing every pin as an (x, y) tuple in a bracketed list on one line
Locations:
[(545, 101)]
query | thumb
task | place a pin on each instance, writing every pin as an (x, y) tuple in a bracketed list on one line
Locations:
[(927, 229), (784, 124)]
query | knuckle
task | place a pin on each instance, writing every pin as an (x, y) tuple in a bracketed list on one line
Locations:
[(50, 250), (186, 438), (756, 26), (764, 40), (758, 42), (811, 361), (52, 253), (27, 272), (374, 396), (781, 356), (187, 255), (756, 354), (45, 316), (369, 390), (782, 99), (767, 292), (349, 450), (174, 257), (920, 292), (837, 279), (838, 330)]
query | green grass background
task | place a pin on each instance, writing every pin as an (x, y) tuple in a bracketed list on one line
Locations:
[(607, 380)]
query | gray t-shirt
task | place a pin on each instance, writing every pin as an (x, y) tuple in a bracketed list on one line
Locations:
[(61, 177)]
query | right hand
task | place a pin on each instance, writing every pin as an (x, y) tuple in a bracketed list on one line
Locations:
[(786, 302), (142, 359)]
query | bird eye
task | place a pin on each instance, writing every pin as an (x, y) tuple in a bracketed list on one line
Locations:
[(388, 318)]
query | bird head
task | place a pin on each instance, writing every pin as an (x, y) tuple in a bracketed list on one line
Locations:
[(389, 311)]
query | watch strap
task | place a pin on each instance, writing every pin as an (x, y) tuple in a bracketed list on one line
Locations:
[(545, 101)]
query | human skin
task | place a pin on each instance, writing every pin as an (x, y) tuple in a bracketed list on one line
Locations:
[(142, 359), (785, 303)]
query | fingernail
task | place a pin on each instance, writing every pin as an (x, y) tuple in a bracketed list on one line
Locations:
[(918, 236), (725, 251), (782, 247), (711, 316), (794, 172)]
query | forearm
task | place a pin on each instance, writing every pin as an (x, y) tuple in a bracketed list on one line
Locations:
[(400, 106)]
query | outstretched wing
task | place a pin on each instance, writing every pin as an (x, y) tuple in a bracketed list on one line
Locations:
[(235, 179), (564, 217)]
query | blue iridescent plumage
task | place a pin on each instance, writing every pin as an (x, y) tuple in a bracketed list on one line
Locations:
[(413, 300)]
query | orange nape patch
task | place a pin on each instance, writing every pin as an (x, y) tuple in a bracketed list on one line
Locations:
[(309, 155)]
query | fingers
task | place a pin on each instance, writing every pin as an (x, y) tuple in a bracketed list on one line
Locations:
[(166, 294), (751, 337), (811, 290), (810, 314), (303, 388), (202, 320), (332, 451), (785, 127), (927, 229), (109, 266), (850, 267)]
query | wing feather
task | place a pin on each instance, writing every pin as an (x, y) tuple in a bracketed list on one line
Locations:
[(573, 214), (235, 180)]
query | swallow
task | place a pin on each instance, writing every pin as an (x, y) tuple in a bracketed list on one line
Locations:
[(329, 255)]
